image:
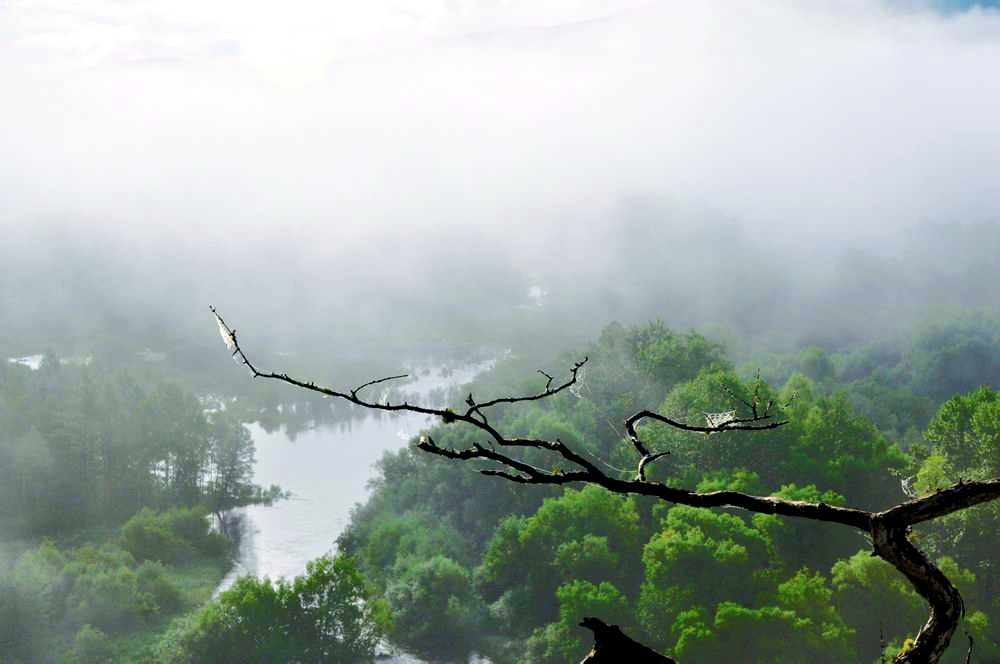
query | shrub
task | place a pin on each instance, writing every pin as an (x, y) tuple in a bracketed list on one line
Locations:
[(109, 600), (90, 646), (327, 615), (152, 580), (147, 536), (171, 537)]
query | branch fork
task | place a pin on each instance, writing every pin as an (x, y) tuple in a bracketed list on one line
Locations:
[(887, 529)]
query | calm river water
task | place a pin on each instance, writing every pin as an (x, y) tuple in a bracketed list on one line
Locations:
[(327, 471)]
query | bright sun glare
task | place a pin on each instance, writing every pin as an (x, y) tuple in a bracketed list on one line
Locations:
[(291, 43)]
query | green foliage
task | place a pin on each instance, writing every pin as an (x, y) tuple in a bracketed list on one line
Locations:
[(768, 635), (327, 615), (172, 536), (544, 557), (871, 594), (80, 446), (685, 560), (435, 612), (571, 537), (152, 580), (554, 643), (695, 454), (669, 357), (740, 480), (832, 446), (815, 363), (90, 646), (149, 537), (963, 442), (804, 543), (966, 431), (583, 598), (231, 458), (22, 619), (139, 443), (955, 354), (563, 641), (800, 625), (586, 559), (932, 475), (109, 599), (54, 592)]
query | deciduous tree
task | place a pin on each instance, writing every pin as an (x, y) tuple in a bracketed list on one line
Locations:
[(505, 456)]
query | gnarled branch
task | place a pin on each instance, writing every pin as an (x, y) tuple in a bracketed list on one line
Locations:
[(888, 529)]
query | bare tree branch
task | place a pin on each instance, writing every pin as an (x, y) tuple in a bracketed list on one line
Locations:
[(546, 392), (355, 391), (645, 457), (887, 529), (943, 502)]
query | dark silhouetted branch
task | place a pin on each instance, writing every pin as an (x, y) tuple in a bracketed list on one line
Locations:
[(355, 391), (612, 646), (887, 529)]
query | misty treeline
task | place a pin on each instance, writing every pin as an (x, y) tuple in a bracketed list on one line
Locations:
[(92, 291), (118, 471), (82, 446), (887, 350), (451, 562), (473, 564)]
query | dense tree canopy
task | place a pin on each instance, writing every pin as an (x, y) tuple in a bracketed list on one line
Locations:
[(325, 615), (80, 446), (779, 572)]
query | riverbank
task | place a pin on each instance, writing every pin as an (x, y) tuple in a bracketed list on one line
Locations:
[(98, 596), (327, 470)]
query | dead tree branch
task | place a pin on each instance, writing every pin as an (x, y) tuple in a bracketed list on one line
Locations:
[(887, 529), (612, 646)]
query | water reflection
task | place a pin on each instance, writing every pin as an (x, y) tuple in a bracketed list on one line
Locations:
[(327, 470)]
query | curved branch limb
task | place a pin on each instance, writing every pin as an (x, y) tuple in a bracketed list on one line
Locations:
[(640, 474), (355, 391), (528, 474), (548, 384), (855, 518), (888, 529), (943, 502), (590, 473), (229, 337), (752, 407), (946, 606), (611, 645), (737, 424), (633, 436), (546, 392)]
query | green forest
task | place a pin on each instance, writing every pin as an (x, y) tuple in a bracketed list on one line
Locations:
[(499, 332), (473, 564), (109, 477)]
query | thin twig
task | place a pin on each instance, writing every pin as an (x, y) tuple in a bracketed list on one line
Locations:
[(887, 528), (376, 382)]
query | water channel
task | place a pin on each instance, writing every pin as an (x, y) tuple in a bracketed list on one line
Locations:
[(327, 471)]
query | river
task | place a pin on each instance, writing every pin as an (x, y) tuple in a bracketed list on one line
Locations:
[(327, 471)]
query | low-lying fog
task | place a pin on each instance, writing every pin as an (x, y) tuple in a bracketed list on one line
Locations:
[(721, 162)]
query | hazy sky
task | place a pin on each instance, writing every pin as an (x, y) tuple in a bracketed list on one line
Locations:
[(289, 41), (326, 119)]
